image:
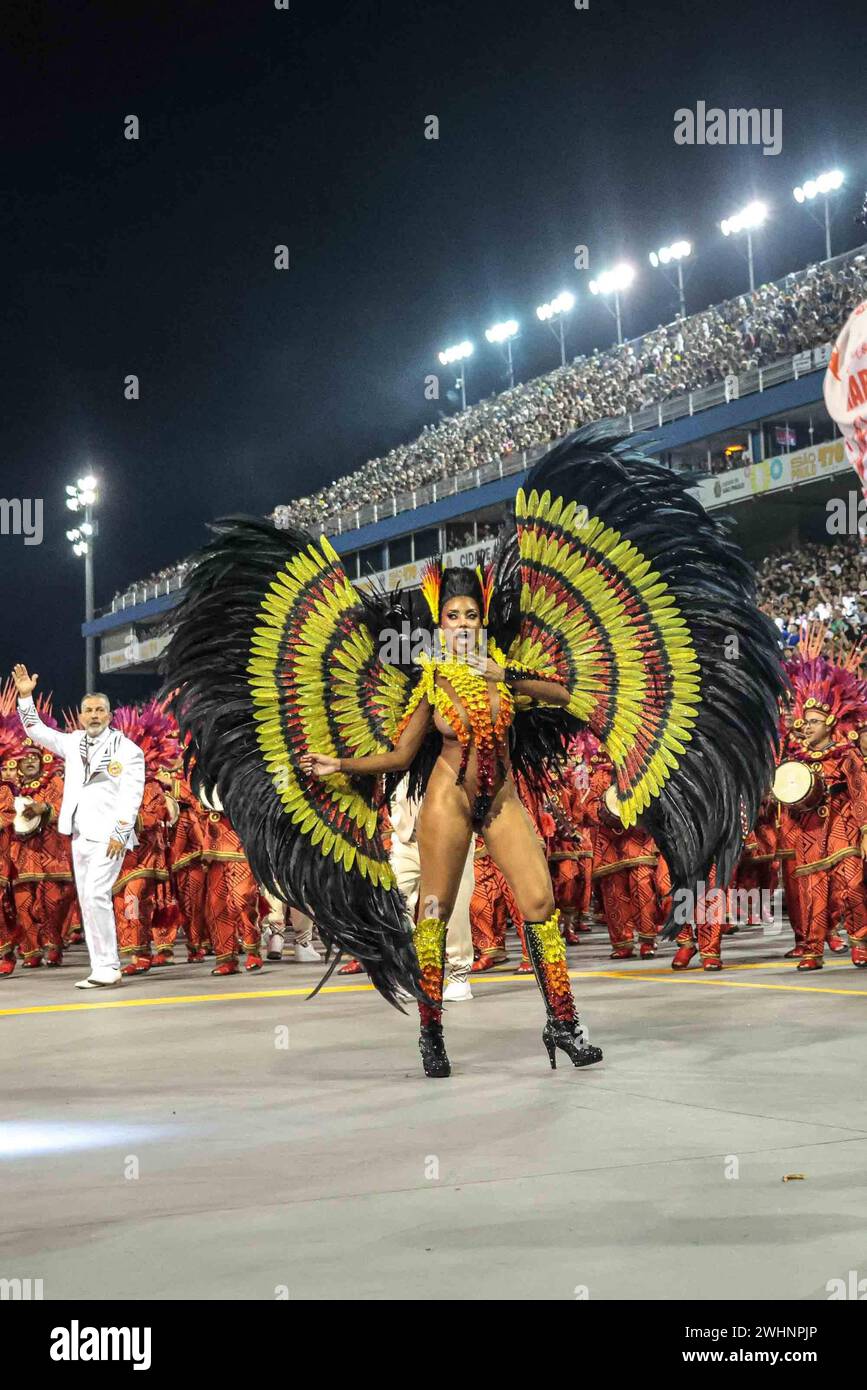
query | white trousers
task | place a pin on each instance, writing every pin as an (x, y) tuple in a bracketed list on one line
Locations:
[(407, 871), (95, 874), (276, 919)]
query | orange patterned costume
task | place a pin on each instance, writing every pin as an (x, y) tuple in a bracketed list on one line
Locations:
[(787, 839), (142, 888), (231, 896), (708, 919), (38, 860), (829, 868), (756, 873), (492, 907), (7, 915), (142, 883), (184, 845), (42, 884), (828, 835), (570, 846), (625, 868)]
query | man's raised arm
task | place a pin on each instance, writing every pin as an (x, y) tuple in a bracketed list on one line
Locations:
[(52, 739)]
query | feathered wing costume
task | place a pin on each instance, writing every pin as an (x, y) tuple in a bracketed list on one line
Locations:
[(613, 580)]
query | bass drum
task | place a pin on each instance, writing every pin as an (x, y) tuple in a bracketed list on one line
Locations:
[(798, 787), (609, 809)]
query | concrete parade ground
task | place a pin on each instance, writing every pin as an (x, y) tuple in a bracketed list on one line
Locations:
[(188, 1137)]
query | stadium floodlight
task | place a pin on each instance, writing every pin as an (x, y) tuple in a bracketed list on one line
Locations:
[(822, 187), (503, 333), (557, 309), (612, 282), (747, 220), (459, 353), (82, 496), (675, 253)]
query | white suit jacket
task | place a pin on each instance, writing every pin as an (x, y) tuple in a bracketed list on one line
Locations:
[(106, 804)]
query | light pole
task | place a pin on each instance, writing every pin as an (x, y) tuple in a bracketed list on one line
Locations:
[(459, 353), (612, 282), (676, 252), (558, 309), (824, 185), (82, 497), (750, 217), (504, 333)]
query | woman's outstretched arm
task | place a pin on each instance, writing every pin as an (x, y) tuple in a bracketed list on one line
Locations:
[(398, 760)]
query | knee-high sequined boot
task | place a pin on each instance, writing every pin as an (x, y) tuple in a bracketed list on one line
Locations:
[(429, 938), (548, 954)]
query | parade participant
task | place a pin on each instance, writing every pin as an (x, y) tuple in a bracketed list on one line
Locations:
[(273, 927), (9, 736), (609, 606), (705, 918), (625, 863), (231, 893), (755, 877), (141, 890), (187, 874), (830, 836), (42, 885), (102, 790), (570, 847), (492, 909), (791, 750)]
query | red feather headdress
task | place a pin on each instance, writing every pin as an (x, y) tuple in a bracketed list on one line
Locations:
[(832, 690), (153, 730), (431, 587)]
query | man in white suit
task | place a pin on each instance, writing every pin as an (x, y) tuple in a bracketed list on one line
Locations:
[(104, 777)]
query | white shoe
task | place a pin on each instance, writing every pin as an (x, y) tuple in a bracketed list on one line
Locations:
[(307, 953), (100, 979), (274, 945), (457, 985)]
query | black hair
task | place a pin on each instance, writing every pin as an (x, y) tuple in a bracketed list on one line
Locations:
[(463, 583)]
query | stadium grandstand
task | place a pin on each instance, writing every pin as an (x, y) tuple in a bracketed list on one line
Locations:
[(732, 395)]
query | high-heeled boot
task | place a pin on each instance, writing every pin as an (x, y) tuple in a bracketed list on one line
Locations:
[(429, 938), (548, 954)]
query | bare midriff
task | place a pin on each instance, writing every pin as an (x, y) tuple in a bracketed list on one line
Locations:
[(443, 786)]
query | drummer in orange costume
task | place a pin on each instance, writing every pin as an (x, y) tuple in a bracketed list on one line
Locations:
[(830, 839), (625, 868), (791, 749)]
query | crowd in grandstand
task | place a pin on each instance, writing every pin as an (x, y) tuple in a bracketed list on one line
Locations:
[(775, 321), (827, 584), (805, 310), (167, 576)]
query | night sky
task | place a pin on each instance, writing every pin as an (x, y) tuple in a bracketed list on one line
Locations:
[(261, 127)]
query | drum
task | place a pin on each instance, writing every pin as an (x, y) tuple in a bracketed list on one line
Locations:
[(609, 809), (26, 822), (798, 787)]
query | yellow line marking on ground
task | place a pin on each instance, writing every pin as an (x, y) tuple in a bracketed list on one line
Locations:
[(712, 978), (654, 976)]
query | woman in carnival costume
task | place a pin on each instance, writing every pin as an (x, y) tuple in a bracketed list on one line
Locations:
[(614, 603)]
